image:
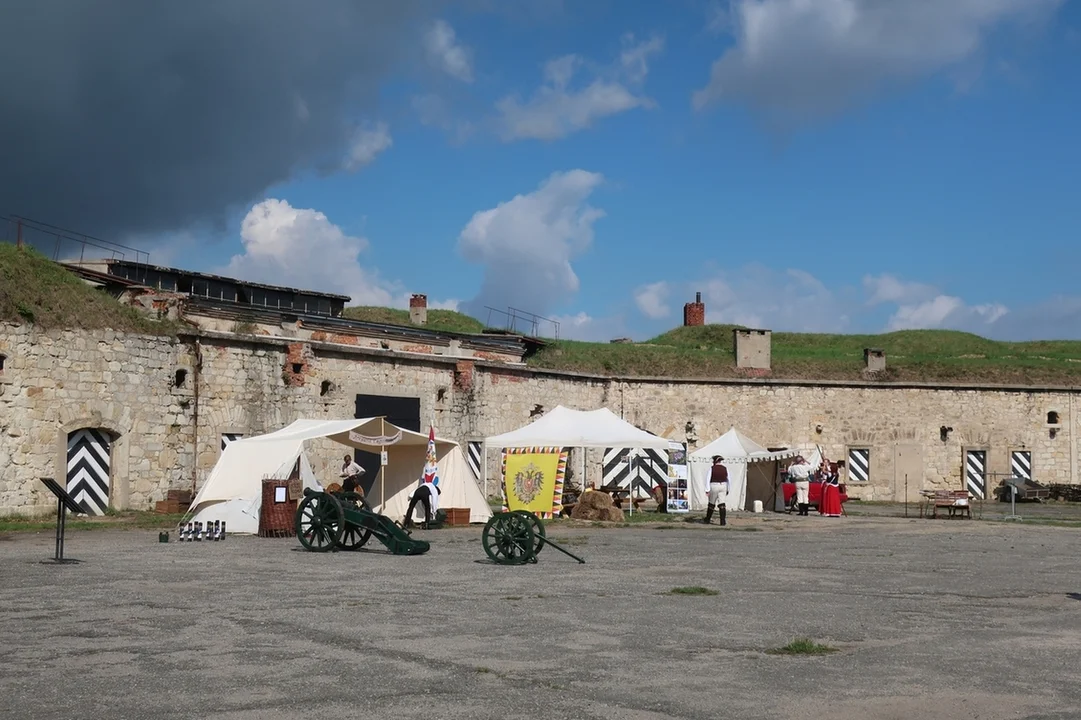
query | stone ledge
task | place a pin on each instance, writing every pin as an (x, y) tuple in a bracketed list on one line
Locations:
[(508, 368)]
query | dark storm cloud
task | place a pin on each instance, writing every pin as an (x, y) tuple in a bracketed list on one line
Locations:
[(139, 116)]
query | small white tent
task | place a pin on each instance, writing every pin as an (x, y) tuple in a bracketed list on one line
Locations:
[(233, 491), (563, 427), (738, 452)]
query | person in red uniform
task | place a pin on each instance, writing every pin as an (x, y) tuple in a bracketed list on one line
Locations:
[(718, 490), (830, 504)]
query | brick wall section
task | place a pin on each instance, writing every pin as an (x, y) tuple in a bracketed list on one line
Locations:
[(463, 375), (297, 364)]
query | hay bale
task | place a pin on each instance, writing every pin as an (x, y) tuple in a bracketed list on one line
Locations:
[(596, 505)]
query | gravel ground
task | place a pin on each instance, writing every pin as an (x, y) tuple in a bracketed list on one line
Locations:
[(949, 619)]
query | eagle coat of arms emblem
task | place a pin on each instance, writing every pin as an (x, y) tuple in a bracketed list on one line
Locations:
[(527, 483)]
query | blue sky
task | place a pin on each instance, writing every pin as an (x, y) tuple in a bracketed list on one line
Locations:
[(846, 165)]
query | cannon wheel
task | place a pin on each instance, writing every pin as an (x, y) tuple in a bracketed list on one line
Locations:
[(320, 522), (508, 539), (354, 537), (537, 526)]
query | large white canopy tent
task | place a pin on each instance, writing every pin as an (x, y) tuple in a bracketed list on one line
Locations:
[(564, 427), (739, 453), (233, 491)]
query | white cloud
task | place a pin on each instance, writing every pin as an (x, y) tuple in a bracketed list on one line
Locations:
[(635, 56), (444, 304), (583, 326), (804, 59), (432, 111), (718, 18), (887, 288), (526, 244), (446, 53), (652, 300), (558, 108), (761, 297), (946, 311), (302, 248), (367, 143)]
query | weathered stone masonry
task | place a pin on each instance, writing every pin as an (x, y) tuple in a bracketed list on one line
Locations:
[(167, 402)]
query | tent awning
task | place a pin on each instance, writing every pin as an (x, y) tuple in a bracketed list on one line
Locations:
[(735, 447), (563, 427), (362, 433)]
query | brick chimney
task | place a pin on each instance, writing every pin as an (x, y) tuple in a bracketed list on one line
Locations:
[(418, 309), (694, 314)]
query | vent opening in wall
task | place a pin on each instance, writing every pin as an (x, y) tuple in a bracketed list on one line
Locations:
[(1052, 417), (3, 359), (325, 387), (180, 377), (441, 394), (298, 368)]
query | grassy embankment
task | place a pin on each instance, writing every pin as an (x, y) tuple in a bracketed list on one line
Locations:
[(911, 355), (36, 290)]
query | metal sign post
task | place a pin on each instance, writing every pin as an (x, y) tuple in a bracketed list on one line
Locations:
[(1013, 499), (382, 466), (906, 494), (64, 503)]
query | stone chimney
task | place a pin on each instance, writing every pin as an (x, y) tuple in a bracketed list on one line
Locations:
[(418, 309), (753, 348), (874, 360), (694, 314)]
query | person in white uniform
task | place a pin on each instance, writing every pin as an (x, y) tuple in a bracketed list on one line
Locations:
[(800, 474)]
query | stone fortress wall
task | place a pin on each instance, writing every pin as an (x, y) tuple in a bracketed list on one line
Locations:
[(165, 404)]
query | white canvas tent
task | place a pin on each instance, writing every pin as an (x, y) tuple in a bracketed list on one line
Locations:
[(233, 491), (739, 452), (563, 427)]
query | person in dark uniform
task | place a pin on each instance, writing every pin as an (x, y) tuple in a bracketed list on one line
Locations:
[(718, 491), (428, 495)]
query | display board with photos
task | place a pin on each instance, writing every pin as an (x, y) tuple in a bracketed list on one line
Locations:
[(678, 499)]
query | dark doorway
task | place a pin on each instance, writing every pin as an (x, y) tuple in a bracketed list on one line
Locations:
[(401, 411), (761, 485)]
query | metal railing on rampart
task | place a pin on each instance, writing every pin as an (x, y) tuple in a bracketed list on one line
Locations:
[(63, 245), (522, 322)]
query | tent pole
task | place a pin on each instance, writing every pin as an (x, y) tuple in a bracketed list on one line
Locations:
[(382, 468), (582, 465)]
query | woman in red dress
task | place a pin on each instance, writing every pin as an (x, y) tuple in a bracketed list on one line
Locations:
[(830, 504)]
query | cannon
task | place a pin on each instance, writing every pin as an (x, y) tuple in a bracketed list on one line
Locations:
[(344, 521), (516, 538)]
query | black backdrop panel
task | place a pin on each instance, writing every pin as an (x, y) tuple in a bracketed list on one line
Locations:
[(402, 411)]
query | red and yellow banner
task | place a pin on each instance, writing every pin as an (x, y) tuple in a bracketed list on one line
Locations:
[(533, 479)]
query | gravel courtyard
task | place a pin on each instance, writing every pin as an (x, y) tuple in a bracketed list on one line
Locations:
[(931, 619)]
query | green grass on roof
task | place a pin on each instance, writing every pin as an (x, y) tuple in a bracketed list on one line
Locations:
[(911, 356), (441, 320), (34, 289)]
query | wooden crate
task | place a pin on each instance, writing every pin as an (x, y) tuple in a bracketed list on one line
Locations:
[(181, 497), (457, 516), (168, 507)]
